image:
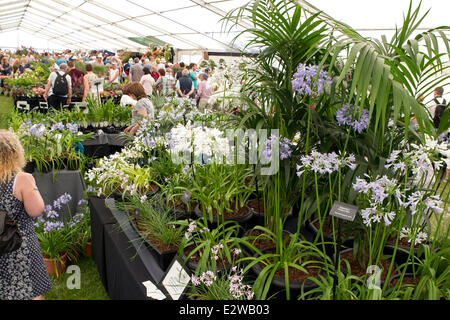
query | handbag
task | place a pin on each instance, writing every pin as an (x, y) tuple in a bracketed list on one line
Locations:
[(10, 237)]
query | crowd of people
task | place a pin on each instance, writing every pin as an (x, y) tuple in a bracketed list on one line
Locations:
[(156, 76)]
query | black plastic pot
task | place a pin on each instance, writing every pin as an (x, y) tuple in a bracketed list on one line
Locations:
[(164, 258), (258, 217), (402, 254), (250, 252), (345, 271), (278, 285), (241, 219), (29, 167), (348, 243), (180, 214), (397, 276)]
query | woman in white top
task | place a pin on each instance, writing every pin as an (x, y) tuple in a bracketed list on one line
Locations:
[(113, 74), (147, 82), (126, 100)]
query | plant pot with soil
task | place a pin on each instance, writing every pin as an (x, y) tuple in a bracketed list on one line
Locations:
[(156, 227), (361, 269), (204, 248), (327, 229), (56, 266), (234, 212), (302, 260)]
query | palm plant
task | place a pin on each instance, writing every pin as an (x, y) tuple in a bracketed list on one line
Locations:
[(390, 74)]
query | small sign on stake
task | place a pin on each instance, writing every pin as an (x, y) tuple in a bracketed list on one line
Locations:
[(343, 211)]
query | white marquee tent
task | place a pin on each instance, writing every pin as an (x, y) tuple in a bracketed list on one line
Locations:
[(184, 24)]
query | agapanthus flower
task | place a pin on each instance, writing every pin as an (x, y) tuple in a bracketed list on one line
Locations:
[(408, 234), (82, 202), (37, 130), (374, 214), (434, 203), (58, 126), (323, 163), (380, 189), (50, 213), (304, 80), (50, 226), (346, 116), (285, 148), (72, 127)]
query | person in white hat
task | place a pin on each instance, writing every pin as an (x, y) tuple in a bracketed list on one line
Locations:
[(99, 60)]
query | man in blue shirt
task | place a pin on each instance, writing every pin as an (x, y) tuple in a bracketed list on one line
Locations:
[(60, 60)]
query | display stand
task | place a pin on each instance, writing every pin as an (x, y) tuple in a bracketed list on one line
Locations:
[(53, 185)]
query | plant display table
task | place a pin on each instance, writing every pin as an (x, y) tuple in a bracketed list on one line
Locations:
[(52, 186), (104, 144), (123, 261)]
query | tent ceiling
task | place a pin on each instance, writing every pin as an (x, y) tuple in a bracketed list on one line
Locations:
[(185, 24)]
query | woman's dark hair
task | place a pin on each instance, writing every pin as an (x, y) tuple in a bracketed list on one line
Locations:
[(146, 70), (88, 67), (136, 89), (191, 65), (162, 72)]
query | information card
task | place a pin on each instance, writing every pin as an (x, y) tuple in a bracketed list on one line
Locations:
[(344, 211), (176, 280)]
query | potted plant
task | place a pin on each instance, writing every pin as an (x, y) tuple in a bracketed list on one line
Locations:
[(56, 237), (156, 226), (203, 248)]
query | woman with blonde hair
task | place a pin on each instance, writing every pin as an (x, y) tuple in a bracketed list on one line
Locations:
[(23, 275)]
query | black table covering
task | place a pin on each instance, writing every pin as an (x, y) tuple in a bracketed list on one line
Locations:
[(123, 261), (100, 217), (104, 144), (52, 186)]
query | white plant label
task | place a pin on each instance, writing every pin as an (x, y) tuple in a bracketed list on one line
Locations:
[(152, 291), (176, 280)]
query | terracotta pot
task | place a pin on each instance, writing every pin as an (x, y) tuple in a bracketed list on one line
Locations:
[(56, 267), (88, 249)]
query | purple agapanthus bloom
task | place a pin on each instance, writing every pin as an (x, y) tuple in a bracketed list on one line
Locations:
[(285, 148), (50, 213), (304, 80), (37, 130), (346, 116), (58, 126), (72, 127), (82, 202), (50, 226)]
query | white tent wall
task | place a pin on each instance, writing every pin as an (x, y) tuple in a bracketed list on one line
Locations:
[(16, 38)]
